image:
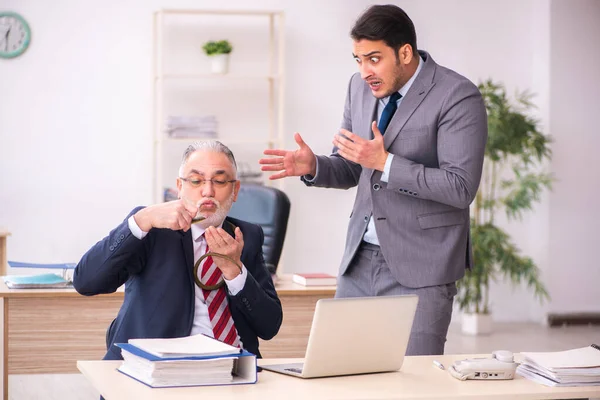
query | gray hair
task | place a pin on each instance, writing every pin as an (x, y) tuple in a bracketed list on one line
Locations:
[(208, 145)]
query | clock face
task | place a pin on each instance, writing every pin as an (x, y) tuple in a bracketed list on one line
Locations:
[(14, 35)]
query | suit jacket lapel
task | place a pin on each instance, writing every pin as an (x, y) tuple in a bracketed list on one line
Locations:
[(416, 94), (229, 227), (370, 112), (188, 250)]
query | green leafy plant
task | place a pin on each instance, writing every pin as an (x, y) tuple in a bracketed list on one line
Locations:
[(512, 181), (219, 47)]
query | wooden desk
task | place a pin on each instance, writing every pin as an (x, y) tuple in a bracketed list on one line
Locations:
[(418, 379), (3, 257), (48, 330), (298, 304)]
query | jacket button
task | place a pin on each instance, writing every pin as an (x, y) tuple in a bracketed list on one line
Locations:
[(122, 237), (376, 186), (366, 218), (415, 194), (111, 248)]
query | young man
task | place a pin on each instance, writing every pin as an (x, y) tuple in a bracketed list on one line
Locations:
[(412, 139), (171, 289)]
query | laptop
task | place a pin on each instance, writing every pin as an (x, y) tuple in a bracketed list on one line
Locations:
[(355, 336)]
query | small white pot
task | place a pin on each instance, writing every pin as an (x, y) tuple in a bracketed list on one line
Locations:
[(476, 324), (219, 63)]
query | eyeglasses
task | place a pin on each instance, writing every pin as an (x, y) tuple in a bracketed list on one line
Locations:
[(217, 183)]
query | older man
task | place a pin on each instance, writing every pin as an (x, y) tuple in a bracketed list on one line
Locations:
[(173, 288)]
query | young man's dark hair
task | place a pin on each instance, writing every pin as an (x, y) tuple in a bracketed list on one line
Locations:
[(388, 23)]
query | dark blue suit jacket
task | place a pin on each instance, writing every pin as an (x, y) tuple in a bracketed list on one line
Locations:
[(159, 285)]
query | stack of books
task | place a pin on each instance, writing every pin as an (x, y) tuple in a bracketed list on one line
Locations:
[(204, 127), (196, 360), (576, 367), (314, 279)]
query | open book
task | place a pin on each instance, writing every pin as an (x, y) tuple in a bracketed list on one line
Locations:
[(576, 367), (185, 347)]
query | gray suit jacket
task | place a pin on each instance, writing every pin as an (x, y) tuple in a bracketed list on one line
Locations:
[(438, 137)]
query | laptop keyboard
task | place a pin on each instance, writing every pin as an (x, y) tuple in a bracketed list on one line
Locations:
[(296, 370)]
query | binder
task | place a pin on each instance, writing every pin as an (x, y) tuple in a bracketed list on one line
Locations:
[(199, 370)]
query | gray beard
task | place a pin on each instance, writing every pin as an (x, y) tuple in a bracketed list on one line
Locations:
[(218, 217)]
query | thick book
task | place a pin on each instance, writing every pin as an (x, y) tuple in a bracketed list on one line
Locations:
[(190, 361), (38, 281), (314, 279), (576, 367)]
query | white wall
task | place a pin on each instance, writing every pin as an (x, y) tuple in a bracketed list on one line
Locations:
[(575, 107), (76, 120)]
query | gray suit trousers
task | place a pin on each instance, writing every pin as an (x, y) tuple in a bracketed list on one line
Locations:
[(369, 275)]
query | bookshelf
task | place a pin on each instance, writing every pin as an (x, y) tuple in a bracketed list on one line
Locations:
[(247, 102)]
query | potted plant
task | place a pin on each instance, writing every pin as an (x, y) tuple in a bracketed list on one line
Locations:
[(218, 52), (512, 181)]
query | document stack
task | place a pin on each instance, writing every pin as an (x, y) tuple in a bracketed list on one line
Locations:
[(188, 361), (204, 127), (577, 367), (50, 279), (37, 281)]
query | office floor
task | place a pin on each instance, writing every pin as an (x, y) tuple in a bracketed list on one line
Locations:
[(508, 336)]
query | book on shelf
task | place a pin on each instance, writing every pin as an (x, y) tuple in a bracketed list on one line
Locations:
[(575, 367), (314, 279), (196, 360), (37, 281)]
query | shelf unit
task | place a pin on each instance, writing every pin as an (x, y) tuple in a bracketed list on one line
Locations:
[(247, 101)]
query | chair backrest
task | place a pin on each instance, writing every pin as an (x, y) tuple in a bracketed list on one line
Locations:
[(270, 208)]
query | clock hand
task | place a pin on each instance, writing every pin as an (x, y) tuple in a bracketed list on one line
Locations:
[(6, 38)]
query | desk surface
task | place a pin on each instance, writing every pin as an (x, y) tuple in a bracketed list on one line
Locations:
[(418, 379), (32, 293), (283, 285)]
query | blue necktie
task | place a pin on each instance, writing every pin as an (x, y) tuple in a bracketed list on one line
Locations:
[(388, 112)]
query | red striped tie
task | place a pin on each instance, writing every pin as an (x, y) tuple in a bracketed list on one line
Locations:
[(218, 307)]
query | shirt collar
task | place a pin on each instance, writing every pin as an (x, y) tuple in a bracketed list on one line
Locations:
[(198, 231)]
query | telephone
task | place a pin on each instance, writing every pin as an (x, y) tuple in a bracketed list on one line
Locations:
[(500, 366)]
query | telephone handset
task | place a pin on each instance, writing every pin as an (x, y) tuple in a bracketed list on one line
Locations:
[(500, 366)]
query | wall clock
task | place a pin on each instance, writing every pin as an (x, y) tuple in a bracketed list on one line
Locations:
[(15, 34)]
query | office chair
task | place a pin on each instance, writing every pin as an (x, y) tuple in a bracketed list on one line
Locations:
[(270, 208)]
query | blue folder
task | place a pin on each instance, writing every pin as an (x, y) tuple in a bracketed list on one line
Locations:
[(18, 264)]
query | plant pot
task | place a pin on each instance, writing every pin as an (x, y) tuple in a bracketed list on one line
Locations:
[(219, 63), (476, 324)]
